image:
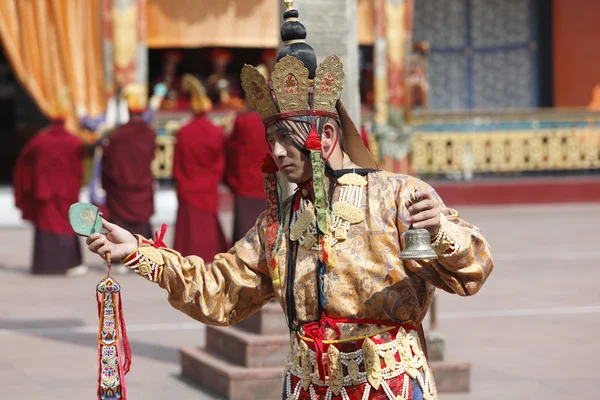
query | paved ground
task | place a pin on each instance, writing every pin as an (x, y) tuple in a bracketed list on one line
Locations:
[(531, 333)]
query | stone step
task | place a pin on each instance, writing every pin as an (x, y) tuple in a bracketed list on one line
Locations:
[(269, 320), (234, 382), (451, 377), (228, 380), (247, 349)]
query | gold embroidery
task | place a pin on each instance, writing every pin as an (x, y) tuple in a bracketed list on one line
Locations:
[(290, 82), (152, 254), (372, 363), (353, 370), (341, 234), (328, 84), (309, 241), (415, 344), (348, 212), (406, 356), (144, 268), (352, 179), (307, 366), (259, 93), (418, 363), (302, 222), (336, 373), (407, 361), (390, 360)]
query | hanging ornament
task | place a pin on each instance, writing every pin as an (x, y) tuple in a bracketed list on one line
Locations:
[(114, 353)]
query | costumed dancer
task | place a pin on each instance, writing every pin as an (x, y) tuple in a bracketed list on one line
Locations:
[(330, 253), (126, 167), (246, 147), (47, 180), (198, 166)]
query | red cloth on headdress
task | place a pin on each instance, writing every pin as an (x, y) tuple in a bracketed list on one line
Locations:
[(48, 177), (246, 148), (126, 172), (312, 141)]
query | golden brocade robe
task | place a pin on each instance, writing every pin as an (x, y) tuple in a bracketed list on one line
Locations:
[(364, 280)]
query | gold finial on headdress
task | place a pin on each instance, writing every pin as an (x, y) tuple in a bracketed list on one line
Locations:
[(288, 4)]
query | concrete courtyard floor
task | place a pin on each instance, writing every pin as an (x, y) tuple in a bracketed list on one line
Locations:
[(531, 332)]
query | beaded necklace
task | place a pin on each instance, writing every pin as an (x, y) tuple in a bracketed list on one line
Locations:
[(345, 211)]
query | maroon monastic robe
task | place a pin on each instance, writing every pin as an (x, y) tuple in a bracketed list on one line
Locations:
[(127, 176), (246, 148), (198, 166), (47, 180)]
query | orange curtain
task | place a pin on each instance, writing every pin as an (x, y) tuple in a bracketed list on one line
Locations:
[(52, 45), (365, 22), (213, 23)]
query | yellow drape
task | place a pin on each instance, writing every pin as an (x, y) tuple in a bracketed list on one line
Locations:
[(213, 23), (365, 22), (53, 44)]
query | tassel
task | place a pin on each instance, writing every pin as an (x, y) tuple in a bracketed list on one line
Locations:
[(325, 256), (158, 239), (124, 339), (272, 216), (313, 143), (268, 165), (320, 190), (114, 361)]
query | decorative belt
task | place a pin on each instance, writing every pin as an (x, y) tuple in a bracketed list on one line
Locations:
[(373, 362)]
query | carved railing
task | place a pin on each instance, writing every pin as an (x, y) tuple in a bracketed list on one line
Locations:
[(461, 143), (511, 142)]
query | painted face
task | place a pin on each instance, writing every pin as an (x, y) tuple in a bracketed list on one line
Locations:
[(292, 163)]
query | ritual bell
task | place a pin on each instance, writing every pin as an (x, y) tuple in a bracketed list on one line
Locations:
[(417, 242), (417, 245)]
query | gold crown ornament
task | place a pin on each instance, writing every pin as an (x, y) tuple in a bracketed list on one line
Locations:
[(299, 87), (291, 91)]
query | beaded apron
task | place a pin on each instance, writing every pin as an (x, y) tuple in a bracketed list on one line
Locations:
[(386, 366)]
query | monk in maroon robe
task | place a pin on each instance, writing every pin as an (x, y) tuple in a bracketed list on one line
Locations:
[(246, 147), (126, 170), (198, 167), (47, 180)]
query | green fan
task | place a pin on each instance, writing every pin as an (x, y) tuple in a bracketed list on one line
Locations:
[(85, 219)]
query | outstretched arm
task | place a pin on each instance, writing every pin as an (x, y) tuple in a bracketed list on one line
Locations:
[(231, 288)]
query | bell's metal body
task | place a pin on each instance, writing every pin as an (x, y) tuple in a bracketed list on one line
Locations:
[(417, 245)]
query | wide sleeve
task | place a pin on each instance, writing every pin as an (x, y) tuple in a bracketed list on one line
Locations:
[(464, 256), (231, 288)]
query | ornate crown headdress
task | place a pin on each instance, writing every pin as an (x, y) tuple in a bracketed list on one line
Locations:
[(294, 89)]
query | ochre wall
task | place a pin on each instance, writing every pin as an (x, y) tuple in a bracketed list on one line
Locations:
[(576, 34)]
